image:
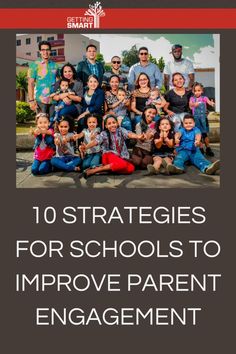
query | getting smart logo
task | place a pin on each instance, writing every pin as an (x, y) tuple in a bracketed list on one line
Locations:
[(91, 18)]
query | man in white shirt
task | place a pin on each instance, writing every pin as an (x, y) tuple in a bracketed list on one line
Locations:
[(180, 65), (144, 66)]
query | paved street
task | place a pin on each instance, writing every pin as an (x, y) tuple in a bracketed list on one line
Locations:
[(193, 178)]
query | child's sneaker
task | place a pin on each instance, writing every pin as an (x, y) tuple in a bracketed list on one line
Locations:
[(209, 152), (211, 169), (174, 170)]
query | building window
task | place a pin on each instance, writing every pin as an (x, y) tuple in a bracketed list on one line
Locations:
[(53, 53), (38, 54), (18, 42), (61, 51), (28, 53), (39, 38), (27, 41), (60, 36), (50, 39)]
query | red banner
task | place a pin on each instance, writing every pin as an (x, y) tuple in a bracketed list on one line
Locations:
[(151, 18)]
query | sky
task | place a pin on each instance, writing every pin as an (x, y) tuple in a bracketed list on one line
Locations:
[(202, 49)]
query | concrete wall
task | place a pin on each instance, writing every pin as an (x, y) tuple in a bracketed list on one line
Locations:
[(75, 47), (207, 78)]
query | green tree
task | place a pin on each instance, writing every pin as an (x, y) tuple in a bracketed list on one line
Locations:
[(22, 84), (152, 59), (130, 57), (161, 64), (100, 58)]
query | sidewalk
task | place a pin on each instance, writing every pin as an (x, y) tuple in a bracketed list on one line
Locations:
[(193, 178)]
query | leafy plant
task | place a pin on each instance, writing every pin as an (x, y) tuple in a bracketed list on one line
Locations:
[(23, 112), (22, 84)]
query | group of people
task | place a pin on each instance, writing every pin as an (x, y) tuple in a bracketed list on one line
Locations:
[(91, 120)]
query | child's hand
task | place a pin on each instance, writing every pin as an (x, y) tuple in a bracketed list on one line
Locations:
[(67, 100), (141, 136), (149, 135), (64, 140), (197, 143), (75, 137), (37, 131), (93, 136), (177, 141), (165, 135), (212, 103), (57, 140)]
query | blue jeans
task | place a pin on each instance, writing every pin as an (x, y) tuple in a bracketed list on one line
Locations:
[(91, 160), (66, 163), (41, 167), (66, 109), (126, 123), (195, 157)]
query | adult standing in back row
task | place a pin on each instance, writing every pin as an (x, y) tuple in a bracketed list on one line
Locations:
[(90, 66), (144, 66), (42, 76), (178, 65)]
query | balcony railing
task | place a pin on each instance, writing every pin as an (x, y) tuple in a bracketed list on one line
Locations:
[(58, 58), (57, 43)]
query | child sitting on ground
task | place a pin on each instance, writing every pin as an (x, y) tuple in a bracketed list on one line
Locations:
[(115, 153), (188, 140), (65, 159), (163, 141), (44, 147), (91, 157), (157, 100), (198, 104)]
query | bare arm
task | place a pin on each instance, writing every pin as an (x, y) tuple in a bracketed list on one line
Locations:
[(32, 102), (197, 139), (132, 135), (166, 81), (210, 102), (169, 112), (133, 107), (191, 81)]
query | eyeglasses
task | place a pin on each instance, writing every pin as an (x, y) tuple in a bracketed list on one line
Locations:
[(143, 53), (115, 62), (45, 50)]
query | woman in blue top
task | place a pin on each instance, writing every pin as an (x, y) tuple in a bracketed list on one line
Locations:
[(93, 100)]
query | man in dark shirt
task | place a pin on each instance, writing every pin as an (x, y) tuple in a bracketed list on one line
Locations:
[(90, 66)]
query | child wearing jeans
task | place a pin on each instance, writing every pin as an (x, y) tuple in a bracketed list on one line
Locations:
[(65, 159), (91, 156), (64, 88), (44, 147), (198, 104), (188, 140)]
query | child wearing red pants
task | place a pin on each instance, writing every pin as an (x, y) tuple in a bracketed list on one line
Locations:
[(115, 153)]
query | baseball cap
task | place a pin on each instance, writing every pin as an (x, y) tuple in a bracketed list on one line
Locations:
[(175, 46)]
